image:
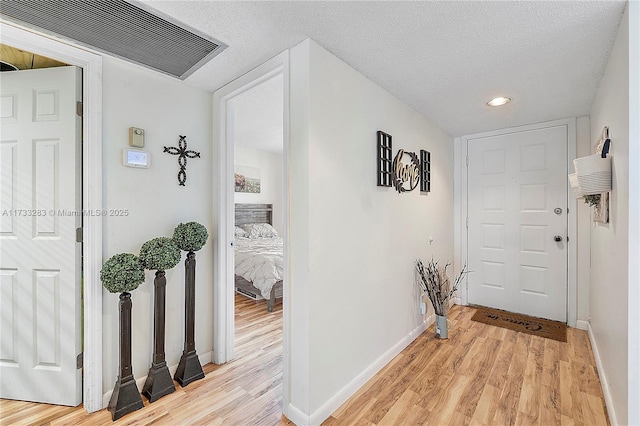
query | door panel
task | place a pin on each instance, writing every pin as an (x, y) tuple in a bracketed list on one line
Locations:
[(515, 182), (40, 187)]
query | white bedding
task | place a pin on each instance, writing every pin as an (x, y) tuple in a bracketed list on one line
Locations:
[(259, 261)]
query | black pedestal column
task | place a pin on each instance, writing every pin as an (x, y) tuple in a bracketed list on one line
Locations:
[(125, 397), (189, 368), (159, 382)]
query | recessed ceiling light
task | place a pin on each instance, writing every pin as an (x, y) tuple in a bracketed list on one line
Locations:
[(501, 100)]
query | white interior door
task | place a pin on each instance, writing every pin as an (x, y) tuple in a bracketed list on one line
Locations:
[(40, 265), (517, 205)]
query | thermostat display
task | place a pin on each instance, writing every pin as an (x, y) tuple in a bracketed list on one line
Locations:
[(135, 158)]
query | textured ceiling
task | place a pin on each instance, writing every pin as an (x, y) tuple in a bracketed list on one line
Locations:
[(445, 59)]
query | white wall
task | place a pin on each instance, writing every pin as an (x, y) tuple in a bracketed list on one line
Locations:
[(610, 242), (165, 108), (271, 170), (356, 242), (583, 234), (634, 213)]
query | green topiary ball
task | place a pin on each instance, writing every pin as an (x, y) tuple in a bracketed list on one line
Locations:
[(160, 254), (122, 272), (190, 236)]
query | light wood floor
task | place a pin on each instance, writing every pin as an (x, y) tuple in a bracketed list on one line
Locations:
[(481, 375), (247, 391)]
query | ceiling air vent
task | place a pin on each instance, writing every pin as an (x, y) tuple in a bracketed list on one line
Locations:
[(121, 29)]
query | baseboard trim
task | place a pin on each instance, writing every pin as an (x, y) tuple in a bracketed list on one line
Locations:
[(204, 358), (322, 413), (603, 379), (296, 415), (582, 325)]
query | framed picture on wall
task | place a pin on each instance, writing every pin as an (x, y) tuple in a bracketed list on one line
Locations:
[(247, 179)]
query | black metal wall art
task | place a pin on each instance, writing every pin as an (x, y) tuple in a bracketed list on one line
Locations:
[(384, 159), (403, 175), (425, 171), (182, 153)]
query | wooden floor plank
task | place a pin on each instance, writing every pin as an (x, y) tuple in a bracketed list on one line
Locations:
[(355, 411), (577, 399), (529, 401), (510, 397), (445, 405), (549, 405), (594, 410), (478, 371), (356, 404), (487, 405), (566, 396), (399, 410), (482, 375), (587, 377), (500, 369)]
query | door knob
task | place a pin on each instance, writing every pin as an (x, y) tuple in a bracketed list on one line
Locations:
[(557, 238)]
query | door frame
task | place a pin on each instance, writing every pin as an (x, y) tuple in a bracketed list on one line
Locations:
[(91, 64), (223, 205), (460, 223)]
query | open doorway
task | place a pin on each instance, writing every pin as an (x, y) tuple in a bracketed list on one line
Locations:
[(256, 118), (250, 129)]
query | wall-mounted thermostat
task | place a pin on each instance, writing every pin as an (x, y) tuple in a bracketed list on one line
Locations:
[(135, 158), (136, 137)]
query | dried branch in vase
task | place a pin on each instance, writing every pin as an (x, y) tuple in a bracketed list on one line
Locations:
[(435, 283)]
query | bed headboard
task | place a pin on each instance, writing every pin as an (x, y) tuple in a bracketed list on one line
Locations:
[(254, 213)]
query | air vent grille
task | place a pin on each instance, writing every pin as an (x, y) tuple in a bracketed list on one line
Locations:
[(119, 28)]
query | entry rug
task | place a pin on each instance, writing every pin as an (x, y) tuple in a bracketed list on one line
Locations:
[(523, 323)]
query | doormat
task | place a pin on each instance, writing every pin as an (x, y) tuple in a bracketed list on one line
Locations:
[(523, 323)]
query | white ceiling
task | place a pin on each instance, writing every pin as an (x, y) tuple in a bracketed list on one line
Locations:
[(445, 59)]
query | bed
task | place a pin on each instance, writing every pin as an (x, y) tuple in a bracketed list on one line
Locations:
[(258, 254)]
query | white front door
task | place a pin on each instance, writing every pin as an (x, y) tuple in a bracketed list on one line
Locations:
[(517, 208), (40, 264)]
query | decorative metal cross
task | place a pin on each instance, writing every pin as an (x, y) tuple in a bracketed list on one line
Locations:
[(183, 154)]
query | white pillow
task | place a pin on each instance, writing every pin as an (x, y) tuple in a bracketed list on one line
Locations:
[(260, 230), (239, 232)]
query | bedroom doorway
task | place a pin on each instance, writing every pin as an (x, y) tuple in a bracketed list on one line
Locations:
[(251, 134), (256, 123)]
